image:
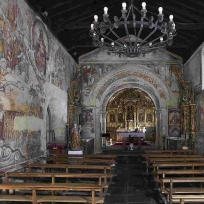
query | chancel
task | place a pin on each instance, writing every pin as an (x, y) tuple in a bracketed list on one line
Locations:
[(101, 101)]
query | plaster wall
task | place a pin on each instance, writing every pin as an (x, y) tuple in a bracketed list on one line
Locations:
[(193, 72), (35, 72)]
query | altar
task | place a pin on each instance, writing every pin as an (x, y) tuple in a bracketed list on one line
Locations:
[(132, 134), (139, 135)]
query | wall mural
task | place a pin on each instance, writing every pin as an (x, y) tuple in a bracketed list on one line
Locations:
[(200, 116), (126, 74), (25, 66), (86, 118), (40, 46), (174, 122), (60, 72)]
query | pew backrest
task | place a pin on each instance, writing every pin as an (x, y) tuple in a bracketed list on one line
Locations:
[(188, 151)]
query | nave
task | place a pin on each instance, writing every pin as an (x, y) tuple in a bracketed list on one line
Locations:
[(134, 177)]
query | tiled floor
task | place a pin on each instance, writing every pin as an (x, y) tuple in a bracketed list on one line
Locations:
[(130, 184)]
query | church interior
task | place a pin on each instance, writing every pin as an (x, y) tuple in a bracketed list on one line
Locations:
[(101, 101)]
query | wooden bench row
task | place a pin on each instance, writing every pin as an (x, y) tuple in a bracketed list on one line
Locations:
[(175, 151), (54, 185), (35, 187), (88, 156), (56, 175), (168, 178), (104, 168), (152, 160), (70, 160)]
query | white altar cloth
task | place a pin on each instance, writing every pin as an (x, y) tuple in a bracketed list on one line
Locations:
[(132, 134)]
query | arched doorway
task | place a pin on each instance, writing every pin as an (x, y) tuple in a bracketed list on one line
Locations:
[(128, 109)]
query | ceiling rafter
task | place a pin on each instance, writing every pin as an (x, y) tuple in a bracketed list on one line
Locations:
[(70, 9), (188, 7), (179, 26), (199, 3)]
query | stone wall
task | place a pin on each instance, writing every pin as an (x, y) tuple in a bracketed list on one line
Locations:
[(35, 73), (103, 75), (193, 72)]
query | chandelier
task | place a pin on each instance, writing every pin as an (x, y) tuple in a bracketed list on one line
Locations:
[(131, 45)]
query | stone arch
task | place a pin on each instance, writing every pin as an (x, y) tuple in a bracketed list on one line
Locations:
[(130, 74), (133, 77), (58, 111)]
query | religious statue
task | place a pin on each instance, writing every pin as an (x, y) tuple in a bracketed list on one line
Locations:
[(76, 140), (130, 113)]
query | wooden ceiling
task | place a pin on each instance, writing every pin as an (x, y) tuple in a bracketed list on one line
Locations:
[(69, 21)]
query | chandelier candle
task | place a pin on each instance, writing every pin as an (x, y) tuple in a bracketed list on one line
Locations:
[(134, 42)]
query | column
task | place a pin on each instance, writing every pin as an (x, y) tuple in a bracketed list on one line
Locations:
[(164, 126), (103, 124), (158, 121), (98, 124)]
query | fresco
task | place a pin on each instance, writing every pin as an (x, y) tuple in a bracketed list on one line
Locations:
[(200, 115), (40, 45), (126, 74), (60, 72), (86, 118), (27, 62), (174, 122)]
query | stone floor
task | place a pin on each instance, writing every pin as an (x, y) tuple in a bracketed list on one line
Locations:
[(130, 184)]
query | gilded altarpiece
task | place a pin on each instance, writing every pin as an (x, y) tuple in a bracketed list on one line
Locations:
[(187, 107), (74, 102), (129, 109)]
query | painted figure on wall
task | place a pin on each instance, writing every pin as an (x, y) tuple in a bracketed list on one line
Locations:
[(40, 45), (174, 121), (174, 118), (59, 76), (40, 53), (12, 13), (1, 121), (174, 83), (88, 75)]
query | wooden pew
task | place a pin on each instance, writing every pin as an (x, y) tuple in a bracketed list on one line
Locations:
[(181, 159), (104, 168), (62, 160), (54, 176), (147, 156), (185, 158), (191, 165), (182, 194), (174, 151), (87, 156), (165, 173), (35, 187)]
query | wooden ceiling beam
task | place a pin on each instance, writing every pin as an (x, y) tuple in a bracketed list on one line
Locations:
[(179, 26), (89, 44), (69, 9), (188, 7)]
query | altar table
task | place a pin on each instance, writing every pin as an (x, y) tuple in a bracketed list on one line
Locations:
[(132, 134)]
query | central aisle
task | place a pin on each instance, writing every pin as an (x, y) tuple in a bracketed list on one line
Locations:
[(130, 184)]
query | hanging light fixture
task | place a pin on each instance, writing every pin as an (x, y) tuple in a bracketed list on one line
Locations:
[(131, 45)]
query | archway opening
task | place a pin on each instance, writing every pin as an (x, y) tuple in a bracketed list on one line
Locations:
[(129, 109)]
